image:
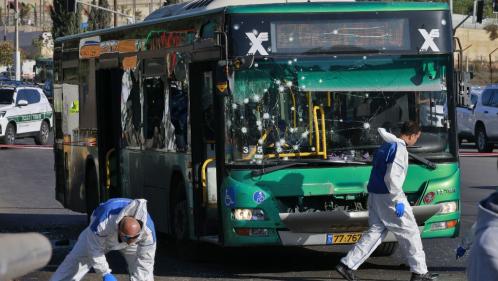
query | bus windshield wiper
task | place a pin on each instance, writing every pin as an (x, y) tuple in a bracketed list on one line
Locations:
[(427, 163), (340, 161), (344, 50), (277, 167), (371, 146)]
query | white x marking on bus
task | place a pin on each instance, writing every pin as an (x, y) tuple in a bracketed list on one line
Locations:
[(429, 40), (257, 43)]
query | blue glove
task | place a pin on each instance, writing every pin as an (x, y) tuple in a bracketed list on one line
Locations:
[(400, 209), (460, 252), (109, 277)]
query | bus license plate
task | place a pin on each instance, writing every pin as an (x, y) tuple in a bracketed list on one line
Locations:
[(343, 238)]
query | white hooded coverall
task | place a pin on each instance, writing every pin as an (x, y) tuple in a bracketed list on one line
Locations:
[(483, 259), (389, 170), (101, 236)]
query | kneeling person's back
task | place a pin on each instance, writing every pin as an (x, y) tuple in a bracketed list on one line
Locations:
[(117, 224)]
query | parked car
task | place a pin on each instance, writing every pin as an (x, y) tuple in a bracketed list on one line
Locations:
[(7, 75), (24, 112), (478, 121)]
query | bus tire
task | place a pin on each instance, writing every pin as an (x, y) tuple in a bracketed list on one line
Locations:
[(91, 190), (185, 248), (10, 134), (179, 211), (42, 136), (385, 249)]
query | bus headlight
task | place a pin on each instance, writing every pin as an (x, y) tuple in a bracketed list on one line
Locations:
[(2, 113), (448, 207), (248, 214), (443, 225)]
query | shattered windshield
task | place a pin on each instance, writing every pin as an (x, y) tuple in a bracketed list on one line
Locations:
[(330, 109)]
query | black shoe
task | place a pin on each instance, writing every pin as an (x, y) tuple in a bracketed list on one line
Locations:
[(345, 272), (424, 277)]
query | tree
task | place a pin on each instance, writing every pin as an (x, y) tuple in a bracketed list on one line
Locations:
[(99, 19), (63, 22), (6, 53), (37, 44), (462, 7), (492, 29), (24, 10), (125, 10)]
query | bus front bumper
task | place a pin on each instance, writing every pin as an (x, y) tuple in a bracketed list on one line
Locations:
[(290, 238), (318, 222), (319, 228)]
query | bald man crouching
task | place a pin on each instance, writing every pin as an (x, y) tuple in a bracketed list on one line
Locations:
[(117, 224)]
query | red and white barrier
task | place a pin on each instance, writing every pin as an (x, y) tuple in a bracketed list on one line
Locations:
[(28, 146)]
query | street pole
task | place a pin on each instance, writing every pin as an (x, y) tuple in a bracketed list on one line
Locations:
[(105, 9), (17, 53), (134, 10), (5, 19), (43, 13), (115, 15), (40, 14), (35, 11)]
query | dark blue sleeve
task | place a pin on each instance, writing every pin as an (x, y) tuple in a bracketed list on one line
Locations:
[(391, 152)]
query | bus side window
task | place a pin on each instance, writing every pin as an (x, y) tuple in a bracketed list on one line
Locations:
[(208, 107), (178, 106), (154, 111), (132, 112)]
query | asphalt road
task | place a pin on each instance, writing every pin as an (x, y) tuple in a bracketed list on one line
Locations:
[(27, 204)]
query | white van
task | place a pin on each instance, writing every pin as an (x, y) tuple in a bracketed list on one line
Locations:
[(24, 112)]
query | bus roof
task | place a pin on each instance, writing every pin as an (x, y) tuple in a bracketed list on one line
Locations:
[(203, 7), (291, 6)]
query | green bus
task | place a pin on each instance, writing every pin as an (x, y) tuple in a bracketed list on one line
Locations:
[(255, 124)]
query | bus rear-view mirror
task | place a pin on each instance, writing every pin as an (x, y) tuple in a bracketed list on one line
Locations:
[(240, 63)]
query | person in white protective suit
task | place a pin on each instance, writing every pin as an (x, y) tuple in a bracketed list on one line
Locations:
[(483, 258), (467, 240), (117, 224), (389, 209)]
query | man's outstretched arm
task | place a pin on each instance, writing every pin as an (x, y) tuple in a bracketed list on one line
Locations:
[(386, 136)]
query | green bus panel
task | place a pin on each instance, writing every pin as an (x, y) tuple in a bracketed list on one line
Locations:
[(240, 187)]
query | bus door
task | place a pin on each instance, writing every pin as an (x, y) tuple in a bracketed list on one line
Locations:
[(204, 126), (108, 95)]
